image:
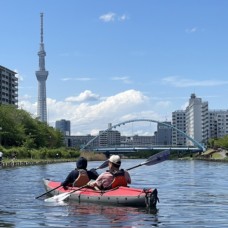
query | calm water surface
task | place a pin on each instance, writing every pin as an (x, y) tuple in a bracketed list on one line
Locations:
[(192, 194)]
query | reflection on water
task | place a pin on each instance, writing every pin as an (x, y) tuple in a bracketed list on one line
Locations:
[(5, 223), (110, 215), (191, 193)]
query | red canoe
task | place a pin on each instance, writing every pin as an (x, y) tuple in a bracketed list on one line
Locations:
[(125, 196)]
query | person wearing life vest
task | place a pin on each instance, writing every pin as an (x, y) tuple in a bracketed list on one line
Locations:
[(112, 178), (80, 176)]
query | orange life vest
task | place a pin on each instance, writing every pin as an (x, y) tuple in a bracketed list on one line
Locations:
[(119, 179), (82, 179)]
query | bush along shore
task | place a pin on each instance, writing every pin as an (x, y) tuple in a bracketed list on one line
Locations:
[(13, 160)]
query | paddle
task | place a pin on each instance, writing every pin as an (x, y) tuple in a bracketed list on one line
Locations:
[(63, 196), (102, 166), (152, 160), (48, 192)]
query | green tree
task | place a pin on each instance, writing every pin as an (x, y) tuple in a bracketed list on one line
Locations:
[(20, 128)]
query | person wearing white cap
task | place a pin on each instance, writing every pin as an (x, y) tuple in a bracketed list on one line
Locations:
[(113, 177)]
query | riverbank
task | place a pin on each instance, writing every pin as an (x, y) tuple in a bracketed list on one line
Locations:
[(27, 162), (217, 155)]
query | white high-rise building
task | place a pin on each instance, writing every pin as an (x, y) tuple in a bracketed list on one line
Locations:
[(196, 116), (198, 122), (41, 76)]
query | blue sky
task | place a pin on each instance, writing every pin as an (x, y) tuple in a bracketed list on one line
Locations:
[(111, 61)]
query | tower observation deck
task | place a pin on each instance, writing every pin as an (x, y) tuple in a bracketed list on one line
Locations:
[(41, 76)]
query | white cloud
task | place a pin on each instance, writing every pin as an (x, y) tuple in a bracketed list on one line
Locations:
[(108, 17), (28, 106), (26, 97), (20, 77), (90, 118), (191, 30), (125, 80), (111, 17), (182, 82), (185, 105), (77, 79), (123, 17), (85, 96)]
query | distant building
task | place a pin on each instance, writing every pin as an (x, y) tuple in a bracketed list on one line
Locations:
[(163, 135), (218, 123), (63, 126), (196, 119), (137, 140), (109, 137), (8, 87), (178, 121), (80, 141), (199, 122)]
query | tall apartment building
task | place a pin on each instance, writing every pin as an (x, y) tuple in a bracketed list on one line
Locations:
[(196, 115), (63, 126), (8, 87), (198, 122), (218, 123), (178, 121)]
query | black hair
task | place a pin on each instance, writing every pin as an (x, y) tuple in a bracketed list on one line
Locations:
[(81, 163)]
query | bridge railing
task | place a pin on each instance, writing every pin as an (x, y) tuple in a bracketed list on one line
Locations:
[(136, 148)]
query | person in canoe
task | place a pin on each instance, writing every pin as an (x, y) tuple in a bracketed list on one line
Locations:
[(113, 177), (80, 176)]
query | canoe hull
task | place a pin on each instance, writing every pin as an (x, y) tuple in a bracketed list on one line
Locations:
[(120, 196)]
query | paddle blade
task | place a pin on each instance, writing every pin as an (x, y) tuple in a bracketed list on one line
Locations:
[(157, 158), (104, 165), (58, 198)]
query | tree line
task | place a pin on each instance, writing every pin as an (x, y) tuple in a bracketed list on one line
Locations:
[(26, 136), (219, 142), (19, 128)]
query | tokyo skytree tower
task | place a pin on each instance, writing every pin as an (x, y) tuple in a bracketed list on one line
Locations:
[(41, 76)]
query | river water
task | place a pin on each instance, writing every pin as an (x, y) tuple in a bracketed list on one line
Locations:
[(191, 193)]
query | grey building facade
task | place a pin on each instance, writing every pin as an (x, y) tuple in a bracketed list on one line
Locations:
[(178, 121), (8, 87), (163, 135), (63, 126), (80, 140)]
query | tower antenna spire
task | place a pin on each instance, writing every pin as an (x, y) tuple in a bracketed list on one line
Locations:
[(41, 29)]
